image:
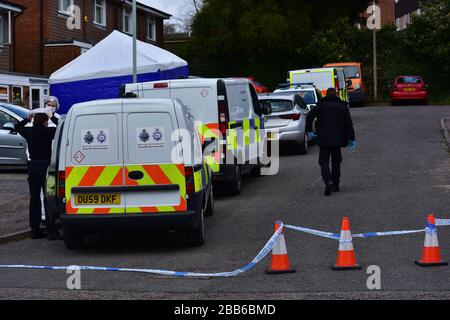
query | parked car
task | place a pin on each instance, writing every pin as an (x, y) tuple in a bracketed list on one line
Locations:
[(409, 88), (287, 119), (309, 93), (13, 147), (258, 86)]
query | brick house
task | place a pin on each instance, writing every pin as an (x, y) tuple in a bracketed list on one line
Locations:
[(47, 37), (398, 12)]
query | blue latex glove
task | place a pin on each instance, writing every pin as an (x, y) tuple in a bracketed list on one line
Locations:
[(352, 145), (312, 135)]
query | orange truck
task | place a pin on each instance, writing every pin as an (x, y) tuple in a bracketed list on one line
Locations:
[(353, 71)]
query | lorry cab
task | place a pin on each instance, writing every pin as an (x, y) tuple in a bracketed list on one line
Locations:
[(321, 78), (129, 163), (353, 71), (229, 118)]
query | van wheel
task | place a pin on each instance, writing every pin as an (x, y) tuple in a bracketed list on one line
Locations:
[(256, 172), (73, 240), (234, 186), (209, 212), (196, 237), (302, 147)]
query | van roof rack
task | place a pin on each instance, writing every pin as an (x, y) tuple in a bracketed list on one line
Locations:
[(300, 84)]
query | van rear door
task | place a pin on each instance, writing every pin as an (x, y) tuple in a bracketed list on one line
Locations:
[(94, 177), (154, 181)]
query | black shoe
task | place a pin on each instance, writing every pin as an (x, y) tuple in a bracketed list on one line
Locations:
[(336, 188), (54, 235), (37, 234), (328, 188)]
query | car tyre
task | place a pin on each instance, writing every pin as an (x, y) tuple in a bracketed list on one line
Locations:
[(302, 147), (209, 212), (235, 185), (196, 237), (73, 240), (256, 172)]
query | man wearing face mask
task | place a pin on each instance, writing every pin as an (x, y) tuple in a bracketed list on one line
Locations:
[(39, 139)]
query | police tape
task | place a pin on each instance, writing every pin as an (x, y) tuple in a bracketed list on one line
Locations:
[(336, 236), (261, 255), (442, 222)]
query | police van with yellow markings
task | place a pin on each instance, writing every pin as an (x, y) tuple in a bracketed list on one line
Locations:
[(129, 163), (229, 116)]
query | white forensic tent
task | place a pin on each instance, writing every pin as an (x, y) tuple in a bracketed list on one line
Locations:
[(99, 73)]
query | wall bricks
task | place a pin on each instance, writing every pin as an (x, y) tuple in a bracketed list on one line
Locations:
[(42, 24)]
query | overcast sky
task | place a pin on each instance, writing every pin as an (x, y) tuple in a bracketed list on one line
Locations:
[(177, 8)]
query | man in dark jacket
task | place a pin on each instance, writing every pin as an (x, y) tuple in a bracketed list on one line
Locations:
[(39, 140), (334, 130)]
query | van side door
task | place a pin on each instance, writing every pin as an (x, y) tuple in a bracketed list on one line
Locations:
[(154, 178), (94, 175)]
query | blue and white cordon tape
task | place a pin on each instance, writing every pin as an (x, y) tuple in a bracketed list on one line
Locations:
[(261, 255)]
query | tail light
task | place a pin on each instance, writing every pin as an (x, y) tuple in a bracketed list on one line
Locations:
[(294, 116), (189, 177), (161, 85), (336, 84), (223, 118), (61, 184)]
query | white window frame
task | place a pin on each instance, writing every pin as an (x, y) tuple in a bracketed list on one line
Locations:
[(151, 20), (4, 97), (130, 24), (21, 92), (60, 7), (103, 17), (1, 31)]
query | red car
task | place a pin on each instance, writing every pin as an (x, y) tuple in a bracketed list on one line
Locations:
[(258, 86), (409, 88)]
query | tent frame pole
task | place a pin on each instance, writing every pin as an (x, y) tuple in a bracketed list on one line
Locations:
[(134, 42)]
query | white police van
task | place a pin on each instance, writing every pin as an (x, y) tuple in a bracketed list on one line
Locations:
[(129, 163), (229, 114)]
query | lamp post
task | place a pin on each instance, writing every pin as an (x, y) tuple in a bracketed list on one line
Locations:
[(134, 23), (375, 64)]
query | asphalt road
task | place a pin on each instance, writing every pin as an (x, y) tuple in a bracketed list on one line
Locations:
[(399, 174)]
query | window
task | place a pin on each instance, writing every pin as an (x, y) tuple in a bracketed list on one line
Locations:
[(64, 6), (100, 12), (151, 29), (127, 21), (6, 118), (17, 94), (4, 94), (1, 30)]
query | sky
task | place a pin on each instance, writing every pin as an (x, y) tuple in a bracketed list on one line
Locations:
[(177, 8)]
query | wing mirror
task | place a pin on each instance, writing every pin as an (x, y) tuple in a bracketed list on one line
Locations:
[(349, 83), (9, 126), (266, 108)]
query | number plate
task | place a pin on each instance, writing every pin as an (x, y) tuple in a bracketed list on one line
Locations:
[(97, 199), (409, 89)]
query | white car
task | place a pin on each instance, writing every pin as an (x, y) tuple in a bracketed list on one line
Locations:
[(309, 93)]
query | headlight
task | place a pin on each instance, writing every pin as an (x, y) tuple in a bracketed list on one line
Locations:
[(358, 86)]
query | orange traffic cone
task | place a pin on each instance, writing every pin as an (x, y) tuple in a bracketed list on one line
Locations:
[(346, 259), (431, 253), (280, 260)]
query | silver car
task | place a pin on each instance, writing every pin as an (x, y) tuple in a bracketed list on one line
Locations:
[(287, 119), (13, 148)]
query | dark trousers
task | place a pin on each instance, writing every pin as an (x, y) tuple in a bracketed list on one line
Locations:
[(37, 171), (334, 174)]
